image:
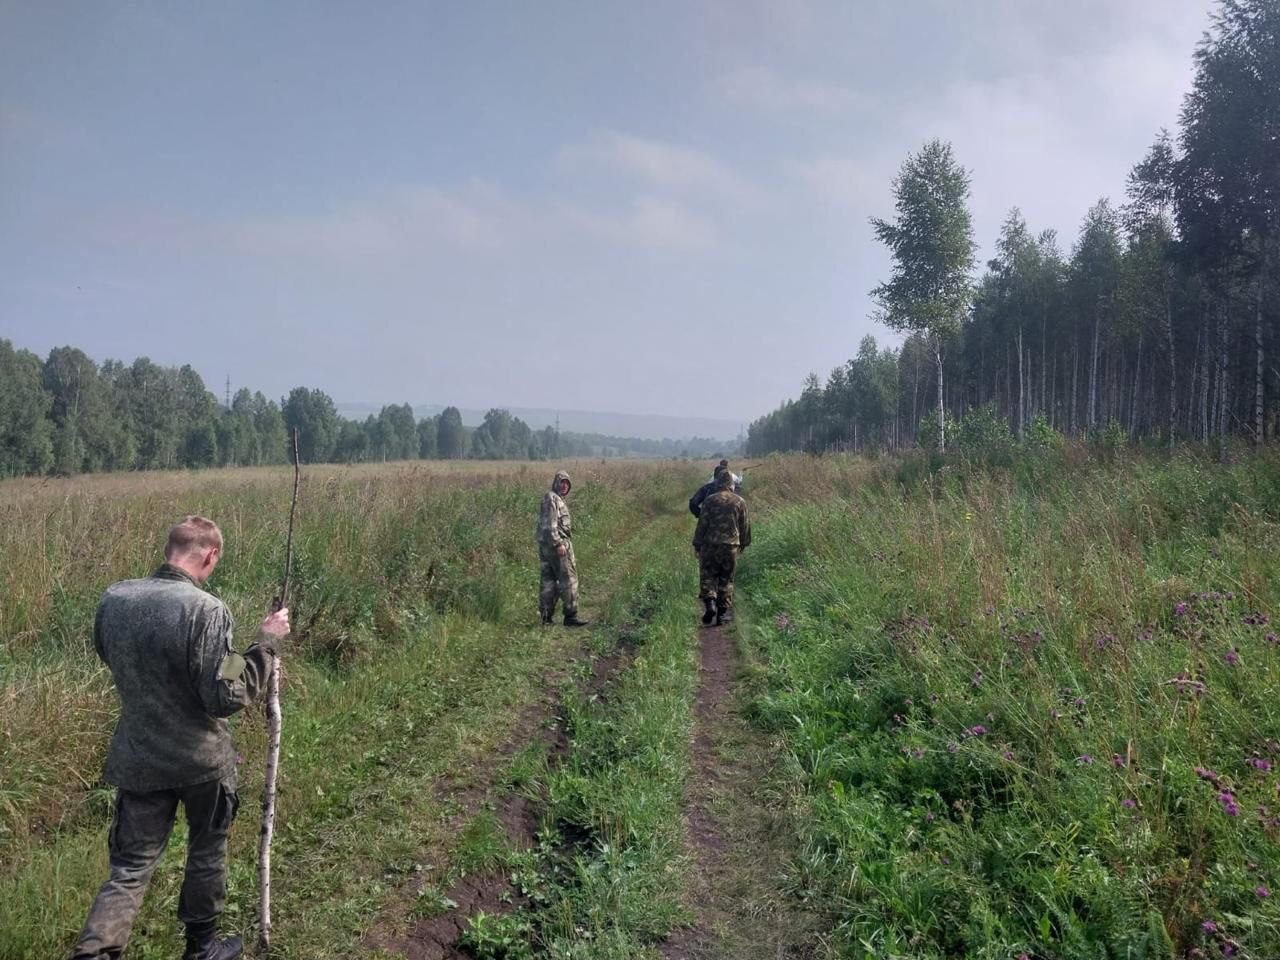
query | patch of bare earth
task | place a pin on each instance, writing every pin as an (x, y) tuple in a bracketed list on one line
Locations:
[(438, 937), (739, 832)]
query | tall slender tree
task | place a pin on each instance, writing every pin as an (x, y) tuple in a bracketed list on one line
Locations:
[(931, 242)]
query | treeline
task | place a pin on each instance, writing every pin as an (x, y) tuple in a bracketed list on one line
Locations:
[(1158, 324), (67, 415)]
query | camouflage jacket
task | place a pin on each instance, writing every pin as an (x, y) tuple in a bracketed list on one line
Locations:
[(723, 521), (554, 524), (168, 645)]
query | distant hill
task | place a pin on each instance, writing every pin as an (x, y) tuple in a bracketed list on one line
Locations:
[(640, 426)]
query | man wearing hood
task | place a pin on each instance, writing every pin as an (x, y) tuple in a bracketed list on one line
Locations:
[(555, 551), (723, 532)]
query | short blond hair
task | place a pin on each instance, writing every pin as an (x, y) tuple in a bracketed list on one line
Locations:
[(190, 534)]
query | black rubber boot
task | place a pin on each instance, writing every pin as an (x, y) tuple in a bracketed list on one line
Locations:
[(205, 944), (572, 620), (709, 613), (724, 614), (546, 618)]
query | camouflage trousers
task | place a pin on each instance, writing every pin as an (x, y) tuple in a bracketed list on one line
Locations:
[(559, 577), (716, 564), (139, 834)]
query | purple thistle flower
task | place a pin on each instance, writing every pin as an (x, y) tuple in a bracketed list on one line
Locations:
[(1262, 891), (1272, 638), (1232, 657), (1209, 927), (1054, 714), (1258, 763), (782, 622), (977, 730), (952, 747), (1204, 773), (1229, 805), (1008, 755), (1084, 759), (1119, 760), (1129, 803), (1230, 948), (1180, 610)]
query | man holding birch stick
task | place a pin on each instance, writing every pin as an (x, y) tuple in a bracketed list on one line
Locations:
[(168, 645)]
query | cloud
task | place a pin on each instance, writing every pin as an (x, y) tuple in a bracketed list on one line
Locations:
[(670, 167), (649, 221), (764, 89), (1050, 140), (399, 225), (860, 184)]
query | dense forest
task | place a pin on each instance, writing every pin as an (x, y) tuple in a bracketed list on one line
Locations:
[(67, 415), (1159, 324)]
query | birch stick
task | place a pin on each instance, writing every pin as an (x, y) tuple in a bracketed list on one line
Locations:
[(273, 741)]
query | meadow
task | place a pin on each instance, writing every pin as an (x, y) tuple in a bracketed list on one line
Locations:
[(1023, 711)]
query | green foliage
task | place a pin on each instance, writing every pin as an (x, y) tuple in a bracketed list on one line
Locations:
[(982, 436), (990, 696), (928, 434), (498, 937)]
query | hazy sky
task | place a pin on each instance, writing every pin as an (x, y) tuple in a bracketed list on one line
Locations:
[(655, 207)]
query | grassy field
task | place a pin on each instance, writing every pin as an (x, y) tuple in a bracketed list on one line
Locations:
[(1027, 712), (415, 654)]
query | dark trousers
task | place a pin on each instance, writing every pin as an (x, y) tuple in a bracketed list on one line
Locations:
[(139, 833)]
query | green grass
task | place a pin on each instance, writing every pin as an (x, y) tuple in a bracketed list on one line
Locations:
[(973, 679)]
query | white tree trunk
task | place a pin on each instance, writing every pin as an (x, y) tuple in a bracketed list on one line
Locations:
[(269, 803)]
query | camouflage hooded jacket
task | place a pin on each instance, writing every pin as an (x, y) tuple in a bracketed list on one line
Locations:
[(723, 520), (554, 524)]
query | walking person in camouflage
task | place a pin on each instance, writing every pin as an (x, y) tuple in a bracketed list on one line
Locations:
[(168, 645), (559, 570), (724, 531)]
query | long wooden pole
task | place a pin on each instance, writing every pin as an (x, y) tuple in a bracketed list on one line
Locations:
[(273, 727)]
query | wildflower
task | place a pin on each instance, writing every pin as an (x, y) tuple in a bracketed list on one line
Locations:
[(929, 818), (1054, 714), (1008, 755), (1084, 759), (1078, 702), (1262, 892), (1229, 805), (1256, 619), (1129, 803), (1230, 948), (1180, 610), (1209, 927), (1272, 638), (1118, 760), (1104, 640), (1258, 763), (952, 747), (1204, 773), (977, 678), (976, 731), (918, 753), (782, 622), (1232, 657)]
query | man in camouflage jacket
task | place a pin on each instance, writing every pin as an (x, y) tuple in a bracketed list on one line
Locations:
[(559, 570), (168, 645), (723, 532)]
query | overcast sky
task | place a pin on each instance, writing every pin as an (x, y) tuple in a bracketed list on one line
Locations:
[(655, 207)]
